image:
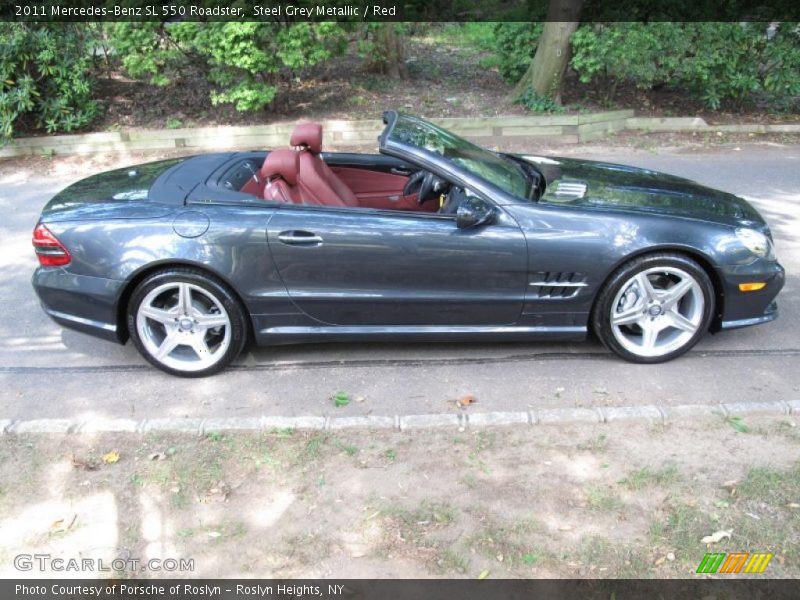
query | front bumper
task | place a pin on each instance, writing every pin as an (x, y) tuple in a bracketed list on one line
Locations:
[(86, 304), (743, 309)]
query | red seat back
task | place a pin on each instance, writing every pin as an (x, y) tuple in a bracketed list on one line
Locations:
[(316, 179)]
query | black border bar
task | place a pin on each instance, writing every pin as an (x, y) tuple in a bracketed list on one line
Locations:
[(397, 10)]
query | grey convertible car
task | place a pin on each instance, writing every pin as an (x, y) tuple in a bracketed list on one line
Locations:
[(435, 238)]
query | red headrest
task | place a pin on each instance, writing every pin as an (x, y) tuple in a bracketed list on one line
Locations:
[(283, 163), (309, 135)]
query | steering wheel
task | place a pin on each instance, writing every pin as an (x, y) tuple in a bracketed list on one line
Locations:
[(412, 182)]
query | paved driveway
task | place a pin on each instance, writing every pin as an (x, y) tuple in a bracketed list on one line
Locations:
[(46, 371)]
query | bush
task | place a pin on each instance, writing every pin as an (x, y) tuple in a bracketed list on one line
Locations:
[(247, 61), (540, 104), (515, 44), (716, 62), (45, 77)]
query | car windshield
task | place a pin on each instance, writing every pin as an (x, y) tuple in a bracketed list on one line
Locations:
[(496, 169)]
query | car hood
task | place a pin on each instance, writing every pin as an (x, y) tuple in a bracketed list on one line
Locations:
[(607, 185)]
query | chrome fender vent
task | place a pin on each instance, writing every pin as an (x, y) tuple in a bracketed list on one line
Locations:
[(556, 285), (570, 189)]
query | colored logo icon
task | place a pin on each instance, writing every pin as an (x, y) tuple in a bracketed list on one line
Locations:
[(735, 562)]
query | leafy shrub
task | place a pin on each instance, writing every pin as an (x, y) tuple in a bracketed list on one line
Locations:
[(715, 62), (515, 44), (45, 77), (542, 104), (246, 61)]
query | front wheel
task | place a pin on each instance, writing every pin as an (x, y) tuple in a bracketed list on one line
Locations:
[(654, 308), (186, 323)]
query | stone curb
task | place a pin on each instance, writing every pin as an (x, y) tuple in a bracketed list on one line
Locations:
[(545, 416)]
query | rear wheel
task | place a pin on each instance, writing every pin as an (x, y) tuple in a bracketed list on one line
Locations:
[(654, 308), (186, 323)]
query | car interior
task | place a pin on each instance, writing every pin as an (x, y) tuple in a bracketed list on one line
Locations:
[(299, 175)]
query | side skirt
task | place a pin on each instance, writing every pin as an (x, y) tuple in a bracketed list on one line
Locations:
[(411, 333)]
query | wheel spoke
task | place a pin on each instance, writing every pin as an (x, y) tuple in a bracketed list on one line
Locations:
[(185, 298), (211, 320), (645, 287), (200, 347), (650, 333), (168, 345), (627, 317), (678, 321), (672, 296), (157, 314)]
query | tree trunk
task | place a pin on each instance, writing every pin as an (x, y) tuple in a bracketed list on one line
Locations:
[(546, 72), (389, 52)]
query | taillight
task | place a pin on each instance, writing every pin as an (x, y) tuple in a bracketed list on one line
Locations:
[(49, 251)]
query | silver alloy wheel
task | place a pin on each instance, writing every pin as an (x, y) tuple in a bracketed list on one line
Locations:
[(183, 326), (657, 311)]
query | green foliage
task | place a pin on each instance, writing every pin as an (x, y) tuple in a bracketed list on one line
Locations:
[(247, 62), (45, 77), (515, 44), (541, 104), (716, 62)]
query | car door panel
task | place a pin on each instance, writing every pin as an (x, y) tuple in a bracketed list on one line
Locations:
[(395, 268)]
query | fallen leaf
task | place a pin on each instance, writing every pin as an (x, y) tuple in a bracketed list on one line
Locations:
[(111, 457), (465, 401), (484, 574), (214, 534), (499, 558), (670, 556), (360, 398), (717, 537), (62, 525), (660, 561)]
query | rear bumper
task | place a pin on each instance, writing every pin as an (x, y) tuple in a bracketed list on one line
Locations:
[(743, 309), (86, 304)]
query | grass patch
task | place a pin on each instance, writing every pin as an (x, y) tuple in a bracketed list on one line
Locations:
[(738, 424), (513, 544), (603, 499), (600, 556), (771, 486), (598, 443), (645, 477)]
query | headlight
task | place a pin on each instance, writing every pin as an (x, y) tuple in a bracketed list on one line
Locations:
[(756, 242)]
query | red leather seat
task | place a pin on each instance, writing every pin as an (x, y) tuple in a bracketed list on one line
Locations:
[(280, 170), (318, 184)]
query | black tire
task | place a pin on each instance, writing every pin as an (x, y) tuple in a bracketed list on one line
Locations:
[(225, 300), (601, 315)]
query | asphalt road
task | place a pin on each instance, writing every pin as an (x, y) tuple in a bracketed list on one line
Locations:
[(46, 371)]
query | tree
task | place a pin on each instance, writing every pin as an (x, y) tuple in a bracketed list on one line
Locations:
[(546, 72), (386, 54)]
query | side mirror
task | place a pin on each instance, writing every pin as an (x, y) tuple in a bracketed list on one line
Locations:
[(473, 212)]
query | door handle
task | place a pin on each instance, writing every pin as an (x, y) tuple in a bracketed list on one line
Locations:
[(299, 238), (399, 171)]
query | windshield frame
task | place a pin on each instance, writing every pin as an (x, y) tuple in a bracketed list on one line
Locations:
[(447, 167)]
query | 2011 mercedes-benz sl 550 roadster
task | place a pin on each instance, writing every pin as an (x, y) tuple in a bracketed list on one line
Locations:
[(434, 238)]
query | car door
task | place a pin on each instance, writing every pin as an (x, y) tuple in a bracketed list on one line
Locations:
[(347, 266)]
